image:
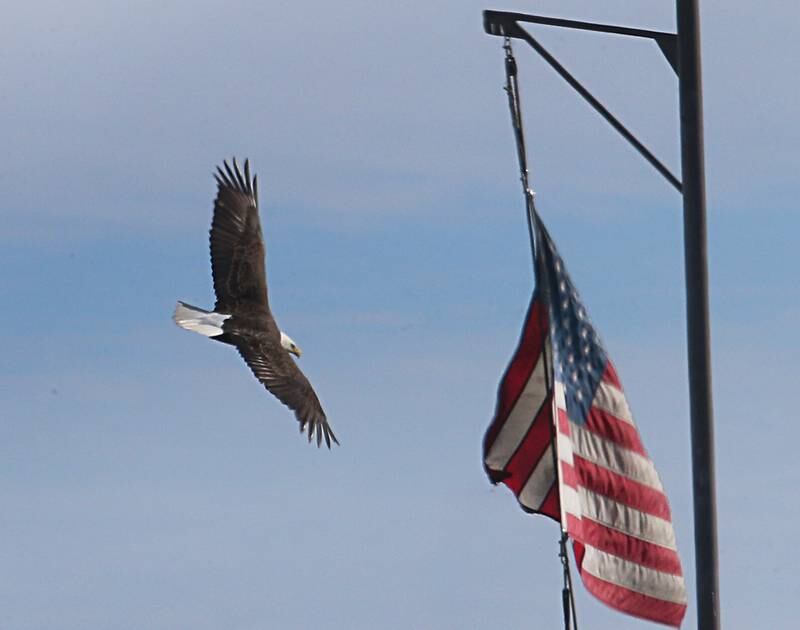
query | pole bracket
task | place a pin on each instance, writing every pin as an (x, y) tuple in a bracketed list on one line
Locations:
[(505, 24)]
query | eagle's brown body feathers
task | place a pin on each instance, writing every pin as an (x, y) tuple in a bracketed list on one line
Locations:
[(242, 309)]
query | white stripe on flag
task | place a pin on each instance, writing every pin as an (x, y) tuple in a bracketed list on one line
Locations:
[(564, 449), (519, 420), (616, 458), (634, 577), (563, 442), (535, 490), (626, 519), (570, 502), (612, 400)]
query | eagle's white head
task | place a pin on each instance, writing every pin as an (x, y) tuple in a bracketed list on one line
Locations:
[(288, 343)]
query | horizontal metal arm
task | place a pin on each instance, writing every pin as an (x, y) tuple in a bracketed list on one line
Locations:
[(506, 24)]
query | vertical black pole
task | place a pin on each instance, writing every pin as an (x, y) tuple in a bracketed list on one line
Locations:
[(694, 228)]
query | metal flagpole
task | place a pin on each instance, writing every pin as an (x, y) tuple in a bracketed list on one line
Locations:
[(696, 268), (682, 50)]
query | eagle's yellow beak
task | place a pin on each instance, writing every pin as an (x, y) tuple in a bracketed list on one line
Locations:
[(295, 351)]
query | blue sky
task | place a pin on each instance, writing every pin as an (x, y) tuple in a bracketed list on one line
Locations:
[(148, 481)]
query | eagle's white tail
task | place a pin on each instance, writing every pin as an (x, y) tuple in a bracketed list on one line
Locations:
[(200, 321)]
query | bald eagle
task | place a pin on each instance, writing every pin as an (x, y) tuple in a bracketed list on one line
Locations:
[(241, 316)]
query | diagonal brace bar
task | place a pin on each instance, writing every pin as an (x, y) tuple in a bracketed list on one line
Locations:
[(510, 28)]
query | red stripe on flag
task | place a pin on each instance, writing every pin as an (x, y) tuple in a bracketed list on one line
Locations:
[(524, 360), (610, 428), (574, 527), (633, 603), (604, 482), (551, 506), (622, 489), (530, 451), (568, 475), (610, 375), (563, 422), (627, 547)]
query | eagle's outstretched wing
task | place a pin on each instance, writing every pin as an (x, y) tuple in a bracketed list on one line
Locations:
[(237, 245), (278, 372)]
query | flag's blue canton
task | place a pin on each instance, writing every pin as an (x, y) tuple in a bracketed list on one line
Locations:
[(579, 359)]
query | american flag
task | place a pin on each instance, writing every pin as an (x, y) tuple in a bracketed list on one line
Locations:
[(561, 402)]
